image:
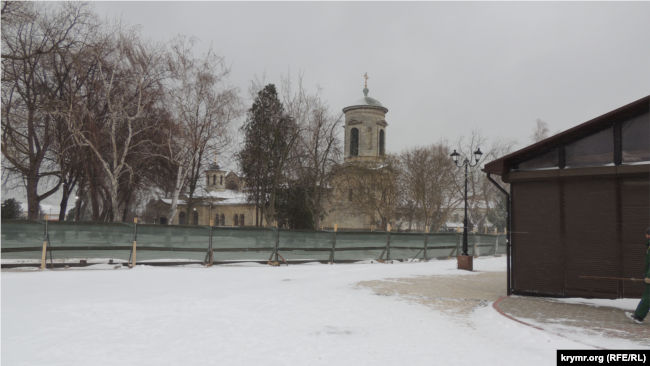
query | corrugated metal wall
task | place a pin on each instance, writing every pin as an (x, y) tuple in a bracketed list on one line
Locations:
[(565, 228)]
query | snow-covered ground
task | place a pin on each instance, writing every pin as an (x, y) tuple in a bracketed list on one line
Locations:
[(252, 315)]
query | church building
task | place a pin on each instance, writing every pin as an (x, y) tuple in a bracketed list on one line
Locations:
[(224, 202), (365, 152)]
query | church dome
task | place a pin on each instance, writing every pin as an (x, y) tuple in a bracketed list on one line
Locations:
[(366, 101)]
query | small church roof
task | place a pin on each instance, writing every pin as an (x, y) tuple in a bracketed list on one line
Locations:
[(366, 101)]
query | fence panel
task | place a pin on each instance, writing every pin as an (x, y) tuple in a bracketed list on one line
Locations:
[(68, 241), (442, 245), (406, 245), (351, 245)]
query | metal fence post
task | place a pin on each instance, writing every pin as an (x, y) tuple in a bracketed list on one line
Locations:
[(45, 243), (132, 257), (388, 242), (476, 252), (426, 244), (277, 243), (209, 258), (273, 258), (333, 244)]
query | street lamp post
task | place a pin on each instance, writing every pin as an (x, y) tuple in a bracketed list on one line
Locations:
[(466, 163)]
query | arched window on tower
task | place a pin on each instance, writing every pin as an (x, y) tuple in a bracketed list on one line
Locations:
[(382, 143), (236, 219), (354, 142), (241, 220)]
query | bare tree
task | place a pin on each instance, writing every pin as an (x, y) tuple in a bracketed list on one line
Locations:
[(31, 41), (129, 84), (482, 196), (541, 131), (318, 147), (428, 182), (203, 108)]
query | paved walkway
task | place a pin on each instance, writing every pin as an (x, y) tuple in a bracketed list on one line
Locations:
[(459, 295)]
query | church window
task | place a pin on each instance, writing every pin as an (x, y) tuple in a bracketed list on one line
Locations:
[(354, 142), (382, 142), (214, 179), (216, 220), (181, 218), (236, 219), (208, 182), (221, 180), (223, 220), (195, 217), (241, 219)]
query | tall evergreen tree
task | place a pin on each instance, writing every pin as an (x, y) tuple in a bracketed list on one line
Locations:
[(269, 136)]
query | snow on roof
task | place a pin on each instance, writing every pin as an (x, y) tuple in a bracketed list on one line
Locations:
[(169, 201), (225, 194), (221, 198), (228, 197)]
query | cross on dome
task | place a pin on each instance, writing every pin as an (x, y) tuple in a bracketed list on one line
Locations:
[(365, 84)]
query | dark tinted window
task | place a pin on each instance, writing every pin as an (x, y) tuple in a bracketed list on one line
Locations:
[(354, 142), (547, 160), (636, 139), (593, 150)]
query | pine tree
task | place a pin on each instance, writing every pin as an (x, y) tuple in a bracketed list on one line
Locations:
[(269, 136)]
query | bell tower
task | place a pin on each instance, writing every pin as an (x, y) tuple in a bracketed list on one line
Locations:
[(365, 129), (216, 178)]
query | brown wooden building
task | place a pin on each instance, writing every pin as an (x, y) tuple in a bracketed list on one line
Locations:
[(580, 205)]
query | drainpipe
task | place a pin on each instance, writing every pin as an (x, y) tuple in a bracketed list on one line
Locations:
[(508, 235)]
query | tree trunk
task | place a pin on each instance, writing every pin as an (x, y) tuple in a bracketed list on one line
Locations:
[(64, 203), (115, 204), (33, 207), (177, 191)]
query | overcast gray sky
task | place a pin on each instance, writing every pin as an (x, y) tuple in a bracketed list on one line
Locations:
[(442, 69)]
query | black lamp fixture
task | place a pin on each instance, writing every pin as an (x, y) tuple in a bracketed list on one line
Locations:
[(467, 164)]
